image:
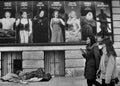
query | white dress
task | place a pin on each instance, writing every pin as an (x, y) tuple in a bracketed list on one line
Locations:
[(73, 33)]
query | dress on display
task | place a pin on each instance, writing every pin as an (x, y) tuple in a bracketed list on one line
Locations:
[(7, 27), (22, 27), (57, 35), (104, 25), (73, 33), (87, 27), (40, 30)]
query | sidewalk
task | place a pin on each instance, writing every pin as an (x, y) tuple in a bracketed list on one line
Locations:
[(56, 81)]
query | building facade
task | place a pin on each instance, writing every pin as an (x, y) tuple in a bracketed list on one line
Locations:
[(57, 59)]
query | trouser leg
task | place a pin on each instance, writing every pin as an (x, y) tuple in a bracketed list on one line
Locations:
[(89, 82), (103, 82), (96, 83)]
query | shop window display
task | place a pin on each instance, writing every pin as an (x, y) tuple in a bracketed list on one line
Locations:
[(56, 21)]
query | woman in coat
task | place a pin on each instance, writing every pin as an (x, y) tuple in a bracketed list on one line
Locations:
[(92, 56), (108, 64)]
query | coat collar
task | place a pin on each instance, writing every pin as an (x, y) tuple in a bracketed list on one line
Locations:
[(91, 47)]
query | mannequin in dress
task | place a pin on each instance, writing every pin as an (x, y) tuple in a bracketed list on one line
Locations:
[(73, 33), (7, 24), (24, 25), (57, 35)]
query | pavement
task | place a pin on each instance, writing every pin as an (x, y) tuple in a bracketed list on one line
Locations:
[(55, 81)]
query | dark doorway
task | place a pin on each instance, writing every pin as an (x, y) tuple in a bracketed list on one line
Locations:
[(17, 65), (11, 62), (55, 62)]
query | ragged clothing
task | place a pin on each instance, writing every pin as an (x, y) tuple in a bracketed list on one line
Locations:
[(39, 73), (22, 76), (25, 77)]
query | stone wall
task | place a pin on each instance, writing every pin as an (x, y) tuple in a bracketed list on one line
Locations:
[(74, 63), (116, 28), (32, 60)]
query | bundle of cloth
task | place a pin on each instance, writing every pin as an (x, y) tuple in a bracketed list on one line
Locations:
[(25, 77), (7, 33)]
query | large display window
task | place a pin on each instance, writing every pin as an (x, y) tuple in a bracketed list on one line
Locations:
[(54, 22)]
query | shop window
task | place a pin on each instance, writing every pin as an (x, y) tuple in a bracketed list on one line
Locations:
[(55, 21)]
